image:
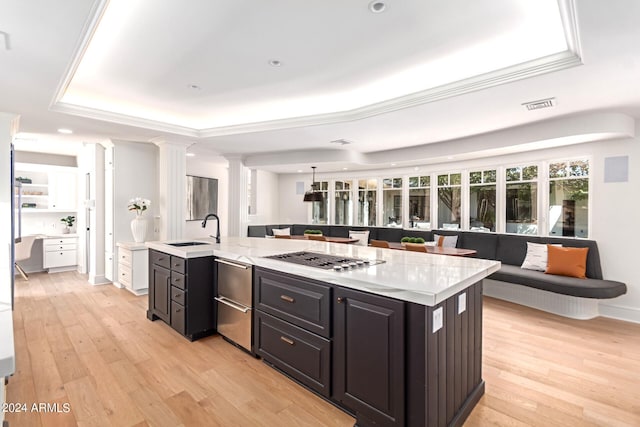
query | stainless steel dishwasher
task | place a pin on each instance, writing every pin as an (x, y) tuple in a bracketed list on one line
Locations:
[(234, 301)]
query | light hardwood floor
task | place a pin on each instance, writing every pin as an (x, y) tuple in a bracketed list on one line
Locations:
[(93, 348)]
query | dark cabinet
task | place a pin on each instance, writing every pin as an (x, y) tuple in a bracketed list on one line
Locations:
[(292, 327), (159, 285), (181, 293), (378, 358), (368, 356)]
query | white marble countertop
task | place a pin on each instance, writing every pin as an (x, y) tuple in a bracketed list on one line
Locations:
[(409, 276), (132, 246), (7, 350)]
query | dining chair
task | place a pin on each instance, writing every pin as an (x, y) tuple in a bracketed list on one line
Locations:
[(379, 243), (23, 252), (317, 237), (282, 236), (415, 247)]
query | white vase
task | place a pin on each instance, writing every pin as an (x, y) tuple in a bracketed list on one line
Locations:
[(139, 228)]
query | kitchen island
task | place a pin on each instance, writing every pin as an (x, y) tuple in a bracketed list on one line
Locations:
[(396, 341)]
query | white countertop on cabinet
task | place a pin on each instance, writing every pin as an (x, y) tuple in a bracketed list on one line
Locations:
[(409, 276), (7, 350)]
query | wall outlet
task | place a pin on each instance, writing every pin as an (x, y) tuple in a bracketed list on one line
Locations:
[(462, 302), (437, 319)]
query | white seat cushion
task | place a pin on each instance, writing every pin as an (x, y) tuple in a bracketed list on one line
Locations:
[(447, 241)]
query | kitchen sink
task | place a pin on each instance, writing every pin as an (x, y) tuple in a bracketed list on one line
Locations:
[(180, 244)]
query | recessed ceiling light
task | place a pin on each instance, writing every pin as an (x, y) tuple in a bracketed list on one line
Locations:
[(393, 164), (191, 154), (65, 131), (344, 169), (377, 6), (449, 157), (194, 87), (416, 168), (275, 63), (299, 170)]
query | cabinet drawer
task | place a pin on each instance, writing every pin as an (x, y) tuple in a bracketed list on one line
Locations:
[(60, 247), (60, 241), (301, 354), (125, 256), (178, 317), (124, 274), (177, 295), (59, 259), (161, 259), (303, 302), (178, 264), (178, 280)]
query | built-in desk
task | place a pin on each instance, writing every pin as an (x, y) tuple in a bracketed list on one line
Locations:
[(59, 253)]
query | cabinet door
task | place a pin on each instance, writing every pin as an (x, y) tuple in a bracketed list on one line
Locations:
[(159, 293), (368, 356), (63, 190)]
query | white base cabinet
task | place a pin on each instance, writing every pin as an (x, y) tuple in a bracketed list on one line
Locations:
[(60, 253), (133, 267)]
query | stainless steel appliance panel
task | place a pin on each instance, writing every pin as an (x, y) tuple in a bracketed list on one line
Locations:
[(234, 322), (234, 301), (235, 281)]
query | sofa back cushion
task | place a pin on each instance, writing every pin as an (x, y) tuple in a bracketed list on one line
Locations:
[(257, 231), (484, 243)]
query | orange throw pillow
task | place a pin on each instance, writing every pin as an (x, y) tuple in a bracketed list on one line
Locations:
[(565, 261), (440, 241)]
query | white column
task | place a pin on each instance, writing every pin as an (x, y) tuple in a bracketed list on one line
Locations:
[(172, 179), (8, 128), (238, 197)]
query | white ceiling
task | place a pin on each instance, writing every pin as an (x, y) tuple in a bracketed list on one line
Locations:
[(421, 72)]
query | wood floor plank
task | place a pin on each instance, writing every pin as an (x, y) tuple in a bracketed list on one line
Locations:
[(94, 348)]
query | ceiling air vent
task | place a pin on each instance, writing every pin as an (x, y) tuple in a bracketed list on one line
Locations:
[(341, 142), (539, 104)]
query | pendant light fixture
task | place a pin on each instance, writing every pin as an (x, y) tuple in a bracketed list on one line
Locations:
[(315, 195)]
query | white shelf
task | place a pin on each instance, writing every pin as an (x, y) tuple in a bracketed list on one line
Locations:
[(34, 185), (47, 210)]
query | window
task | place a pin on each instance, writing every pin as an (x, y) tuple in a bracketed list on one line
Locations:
[(252, 186), (419, 201), (522, 199), (569, 198), (482, 200), (392, 202), (449, 200), (367, 199), (343, 203), (320, 210)]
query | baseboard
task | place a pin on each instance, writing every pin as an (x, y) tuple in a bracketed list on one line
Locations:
[(628, 314), (98, 280), (551, 302)]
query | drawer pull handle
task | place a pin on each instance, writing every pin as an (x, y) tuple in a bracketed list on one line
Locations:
[(161, 258), (287, 340), (287, 298), (177, 265), (341, 300), (176, 296), (178, 310), (177, 279)]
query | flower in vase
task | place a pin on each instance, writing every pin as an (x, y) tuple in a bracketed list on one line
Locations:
[(139, 205)]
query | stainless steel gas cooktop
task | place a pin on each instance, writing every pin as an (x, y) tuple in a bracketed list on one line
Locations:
[(324, 261)]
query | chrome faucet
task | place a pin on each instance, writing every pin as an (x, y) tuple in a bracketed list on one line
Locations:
[(204, 224)]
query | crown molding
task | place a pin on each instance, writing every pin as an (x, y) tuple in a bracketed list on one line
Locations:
[(560, 61)]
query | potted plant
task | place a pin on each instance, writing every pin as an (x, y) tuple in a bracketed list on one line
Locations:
[(68, 223), (316, 232), (407, 239)]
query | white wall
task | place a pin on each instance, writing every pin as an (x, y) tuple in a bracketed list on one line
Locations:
[(215, 167), (613, 225), (267, 198)]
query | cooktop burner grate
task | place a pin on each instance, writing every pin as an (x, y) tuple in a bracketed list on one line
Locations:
[(324, 261)]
